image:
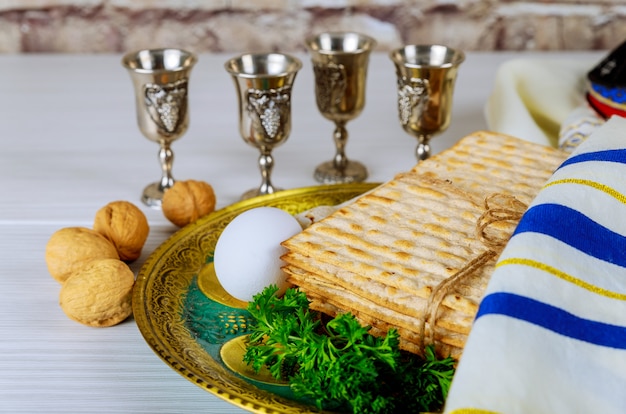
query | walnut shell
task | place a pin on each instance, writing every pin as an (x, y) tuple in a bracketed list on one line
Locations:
[(70, 248), (124, 225), (99, 293), (187, 201)]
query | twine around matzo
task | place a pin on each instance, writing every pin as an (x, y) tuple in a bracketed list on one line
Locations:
[(498, 208)]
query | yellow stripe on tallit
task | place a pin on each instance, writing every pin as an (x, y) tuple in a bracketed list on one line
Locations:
[(598, 186), (472, 411), (562, 275)]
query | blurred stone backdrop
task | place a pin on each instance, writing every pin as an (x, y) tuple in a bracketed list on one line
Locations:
[(105, 26)]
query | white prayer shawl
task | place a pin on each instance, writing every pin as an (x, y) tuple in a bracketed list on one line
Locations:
[(550, 333), (541, 101)]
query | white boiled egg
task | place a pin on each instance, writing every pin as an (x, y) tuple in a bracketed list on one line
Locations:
[(247, 253)]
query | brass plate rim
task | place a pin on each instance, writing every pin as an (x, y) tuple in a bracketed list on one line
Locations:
[(192, 362)]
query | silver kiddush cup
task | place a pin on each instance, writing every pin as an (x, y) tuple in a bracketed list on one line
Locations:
[(264, 82), (161, 81), (426, 75), (340, 62)]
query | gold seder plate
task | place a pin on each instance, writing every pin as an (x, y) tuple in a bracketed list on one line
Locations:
[(194, 326)]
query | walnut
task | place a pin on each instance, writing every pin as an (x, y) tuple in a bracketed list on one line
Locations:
[(99, 293), (187, 201), (124, 225), (70, 248)]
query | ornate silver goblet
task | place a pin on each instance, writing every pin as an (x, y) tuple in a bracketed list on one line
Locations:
[(264, 82), (161, 81), (426, 75), (340, 63)]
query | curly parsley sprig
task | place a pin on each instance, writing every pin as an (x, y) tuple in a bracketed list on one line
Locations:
[(339, 365)]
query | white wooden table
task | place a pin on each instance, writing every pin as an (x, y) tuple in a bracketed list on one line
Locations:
[(70, 145)]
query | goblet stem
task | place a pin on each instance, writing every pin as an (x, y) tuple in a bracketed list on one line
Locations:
[(340, 169), (266, 164), (341, 137), (153, 194), (166, 158), (422, 152)]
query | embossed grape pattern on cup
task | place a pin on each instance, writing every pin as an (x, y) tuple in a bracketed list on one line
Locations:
[(264, 83), (426, 75), (160, 79), (340, 61)]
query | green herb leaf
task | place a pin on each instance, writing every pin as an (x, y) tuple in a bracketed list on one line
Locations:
[(340, 365)]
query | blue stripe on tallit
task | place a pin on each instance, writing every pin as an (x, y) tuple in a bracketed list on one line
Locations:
[(575, 229), (614, 155), (553, 318)]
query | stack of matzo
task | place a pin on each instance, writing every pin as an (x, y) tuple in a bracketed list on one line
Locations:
[(381, 256)]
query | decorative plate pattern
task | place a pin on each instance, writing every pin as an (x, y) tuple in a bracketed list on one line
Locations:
[(186, 329)]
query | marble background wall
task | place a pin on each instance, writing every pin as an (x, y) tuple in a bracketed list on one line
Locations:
[(105, 26)]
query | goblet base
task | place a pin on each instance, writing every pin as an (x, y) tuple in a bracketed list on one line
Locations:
[(328, 173), (255, 192), (152, 195)]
